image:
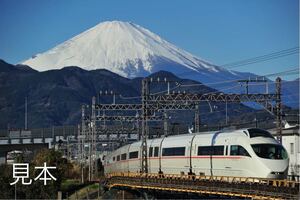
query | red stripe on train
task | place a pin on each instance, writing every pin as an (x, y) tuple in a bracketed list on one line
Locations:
[(182, 157)]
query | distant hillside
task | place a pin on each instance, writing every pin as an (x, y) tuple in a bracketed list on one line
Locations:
[(55, 96)]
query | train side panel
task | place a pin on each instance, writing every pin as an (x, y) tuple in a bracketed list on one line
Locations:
[(201, 163), (154, 155), (134, 157), (175, 154)]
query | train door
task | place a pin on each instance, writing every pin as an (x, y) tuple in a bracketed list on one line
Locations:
[(231, 163), (201, 159), (217, 151), (191, 153), (227, 159), (127, 159), (158, 155)]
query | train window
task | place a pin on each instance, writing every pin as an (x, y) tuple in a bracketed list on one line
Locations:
[(237, 150), (210, 150), (118, 157), (270, 151), (123, 156), (174, 151), (204, 150), (156, 150), (114, 158), (134, 154), (218, 150), (150, 151), (256, 132)]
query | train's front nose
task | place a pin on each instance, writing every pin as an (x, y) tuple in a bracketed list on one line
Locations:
[(278, 169), (277, 175), (275, 159)]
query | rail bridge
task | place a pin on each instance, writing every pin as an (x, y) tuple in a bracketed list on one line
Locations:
[(216, 186)]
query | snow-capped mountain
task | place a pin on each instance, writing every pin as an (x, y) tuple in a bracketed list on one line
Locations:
[(133, 51), (124, 48)]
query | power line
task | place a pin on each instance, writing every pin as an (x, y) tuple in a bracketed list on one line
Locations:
[(286, 72), (234, 80), (262, 58), (257, 59)]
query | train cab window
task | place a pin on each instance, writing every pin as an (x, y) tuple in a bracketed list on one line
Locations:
[(118, 157), (270, 151), (123, 156), (256, 132), (210, 150), (156, 150), (150, 151), (237, 150), (174, 151), (114, 158), (134, 154)]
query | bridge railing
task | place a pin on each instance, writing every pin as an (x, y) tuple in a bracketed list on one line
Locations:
[(217, 185)]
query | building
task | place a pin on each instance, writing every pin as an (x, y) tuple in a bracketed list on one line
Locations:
[(291, 142)]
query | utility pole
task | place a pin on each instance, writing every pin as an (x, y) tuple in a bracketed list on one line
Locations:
[(226, 114), (25, 113), (278, 110), (145, 95), (82, 142), (90, 151), (166, 119), (93, 146), (197, 118), (138, 125)]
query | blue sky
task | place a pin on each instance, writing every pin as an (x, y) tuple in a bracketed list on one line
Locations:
[(219, 31)]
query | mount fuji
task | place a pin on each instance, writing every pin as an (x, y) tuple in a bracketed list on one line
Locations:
[(133, 51), (128, 50)]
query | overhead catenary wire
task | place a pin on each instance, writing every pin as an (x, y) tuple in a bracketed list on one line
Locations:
[(286, 72), (262, 58), (253, 60), (235, 80), (257, 59)]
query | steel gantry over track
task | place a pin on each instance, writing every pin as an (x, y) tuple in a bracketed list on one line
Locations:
[(151, 104), (190, 101)]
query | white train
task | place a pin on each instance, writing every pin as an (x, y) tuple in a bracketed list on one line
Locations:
[(241, 153)]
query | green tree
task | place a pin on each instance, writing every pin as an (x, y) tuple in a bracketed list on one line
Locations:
[(37, 189)]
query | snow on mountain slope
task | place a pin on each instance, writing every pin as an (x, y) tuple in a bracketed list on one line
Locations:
[(133, 51), (122, 47)]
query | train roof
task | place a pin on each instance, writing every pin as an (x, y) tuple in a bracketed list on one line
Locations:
[(251, 133), (245, 133), (209, 133)]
